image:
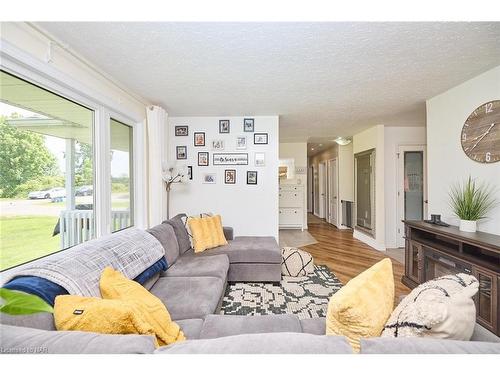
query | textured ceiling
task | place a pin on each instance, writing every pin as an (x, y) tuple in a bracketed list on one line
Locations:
[(323, 79)]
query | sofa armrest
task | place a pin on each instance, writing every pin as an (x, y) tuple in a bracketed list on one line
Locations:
[(228, 233)]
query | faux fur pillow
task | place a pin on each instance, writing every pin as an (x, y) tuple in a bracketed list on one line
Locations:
[(440, 308)]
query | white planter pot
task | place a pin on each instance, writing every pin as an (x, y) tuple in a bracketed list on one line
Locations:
[(468, 225)]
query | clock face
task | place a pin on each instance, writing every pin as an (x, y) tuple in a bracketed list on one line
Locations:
[(481, 133)]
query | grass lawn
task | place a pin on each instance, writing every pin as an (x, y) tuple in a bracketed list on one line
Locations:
[(24, 238)]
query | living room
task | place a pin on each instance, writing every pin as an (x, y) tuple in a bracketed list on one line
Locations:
[(250, 187)]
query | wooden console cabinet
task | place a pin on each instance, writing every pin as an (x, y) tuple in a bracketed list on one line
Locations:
[(432, 251)]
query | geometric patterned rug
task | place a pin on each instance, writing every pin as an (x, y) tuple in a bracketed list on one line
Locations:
[(306, 296)]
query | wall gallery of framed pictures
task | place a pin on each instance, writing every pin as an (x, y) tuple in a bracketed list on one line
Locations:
[(222, 151)]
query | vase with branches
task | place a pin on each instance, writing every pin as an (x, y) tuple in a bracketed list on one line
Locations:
[(471, 202)]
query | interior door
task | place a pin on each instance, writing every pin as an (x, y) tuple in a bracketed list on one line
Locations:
[(332, 192), (322, 189), (412, 187)]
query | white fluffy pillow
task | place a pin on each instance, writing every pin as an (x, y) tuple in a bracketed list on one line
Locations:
[(440, 308)]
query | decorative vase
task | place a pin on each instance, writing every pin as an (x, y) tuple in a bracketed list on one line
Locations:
[(468, 225)]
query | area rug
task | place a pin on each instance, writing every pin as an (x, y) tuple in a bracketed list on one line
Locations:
[(306, 297)]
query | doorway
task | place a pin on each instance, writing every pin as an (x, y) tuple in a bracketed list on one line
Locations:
[(412, 187), (332, 192)]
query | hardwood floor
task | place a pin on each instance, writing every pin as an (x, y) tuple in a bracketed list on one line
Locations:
[(346, 256)]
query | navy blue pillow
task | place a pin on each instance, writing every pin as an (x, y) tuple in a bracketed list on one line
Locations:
[(148, 273), (43, 288)]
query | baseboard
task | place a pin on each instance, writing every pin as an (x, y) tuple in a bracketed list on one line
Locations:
[(370, 241)]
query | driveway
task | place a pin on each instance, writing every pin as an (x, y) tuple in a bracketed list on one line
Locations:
[(35, 207)]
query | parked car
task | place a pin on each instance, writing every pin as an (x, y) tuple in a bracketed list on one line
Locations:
[(84, 190), (57, 192)]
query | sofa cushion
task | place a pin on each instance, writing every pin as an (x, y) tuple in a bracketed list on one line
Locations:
[(19, 340), (43, 320), (191, 328), (187, 266), (263, 343), (189, 297), (413, 345), (314, 326), (178, 223), (482, 334), (166, 235), (248, 250), (229, 325)]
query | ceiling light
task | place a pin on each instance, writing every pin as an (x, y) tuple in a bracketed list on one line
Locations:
[(343, 140), (312, 149)]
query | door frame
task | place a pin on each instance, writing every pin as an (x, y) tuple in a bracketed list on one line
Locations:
[(310, 189), (332, 208), (400, 242)]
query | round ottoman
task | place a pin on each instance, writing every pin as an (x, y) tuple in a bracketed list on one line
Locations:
[(296, 262)]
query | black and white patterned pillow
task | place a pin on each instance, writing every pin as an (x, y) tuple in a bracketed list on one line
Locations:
[(296, 262), (440, 308)]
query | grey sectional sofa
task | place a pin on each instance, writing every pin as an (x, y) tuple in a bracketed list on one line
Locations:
[(192, 288)]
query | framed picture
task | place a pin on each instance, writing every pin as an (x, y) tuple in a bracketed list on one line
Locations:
[(181, 131), (181, 152), (230, 176), (248, 125), (241, 143), (209, 178), (199, 139), (203, 159), (260, 139), (260, 159), (218, 145), (223, 126), (190, 172), (251, 177), (230, 158)]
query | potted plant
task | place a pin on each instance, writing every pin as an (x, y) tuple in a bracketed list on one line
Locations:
[(471, 202)]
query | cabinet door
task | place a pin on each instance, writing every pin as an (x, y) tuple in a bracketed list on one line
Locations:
[(414, 254), (486, 298)]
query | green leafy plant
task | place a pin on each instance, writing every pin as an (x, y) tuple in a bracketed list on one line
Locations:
[(470, 201), (19, 303)]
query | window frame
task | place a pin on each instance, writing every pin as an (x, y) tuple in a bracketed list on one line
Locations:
[(24, 66)]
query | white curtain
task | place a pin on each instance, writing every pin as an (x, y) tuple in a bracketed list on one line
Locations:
[(156, 152)]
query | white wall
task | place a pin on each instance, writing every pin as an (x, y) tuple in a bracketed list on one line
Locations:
[(447, 163), (298, 152), (373, 138), (250, 209), (393, 138)]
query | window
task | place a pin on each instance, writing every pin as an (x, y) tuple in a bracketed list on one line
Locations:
[(46, 172), (121, 176)]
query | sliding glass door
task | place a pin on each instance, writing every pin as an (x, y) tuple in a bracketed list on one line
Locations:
[(122, 194)]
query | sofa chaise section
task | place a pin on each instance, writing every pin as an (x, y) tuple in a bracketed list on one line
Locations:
[(256, 259), (189, 297)]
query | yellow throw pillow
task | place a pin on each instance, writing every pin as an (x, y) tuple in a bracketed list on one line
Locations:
[(207, 232), (115, 286), (92, 314), (361, 308)]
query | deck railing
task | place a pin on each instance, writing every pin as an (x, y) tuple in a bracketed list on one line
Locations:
[(77, 226)]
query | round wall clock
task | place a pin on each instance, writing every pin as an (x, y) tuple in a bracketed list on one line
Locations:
[(481, 133)]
